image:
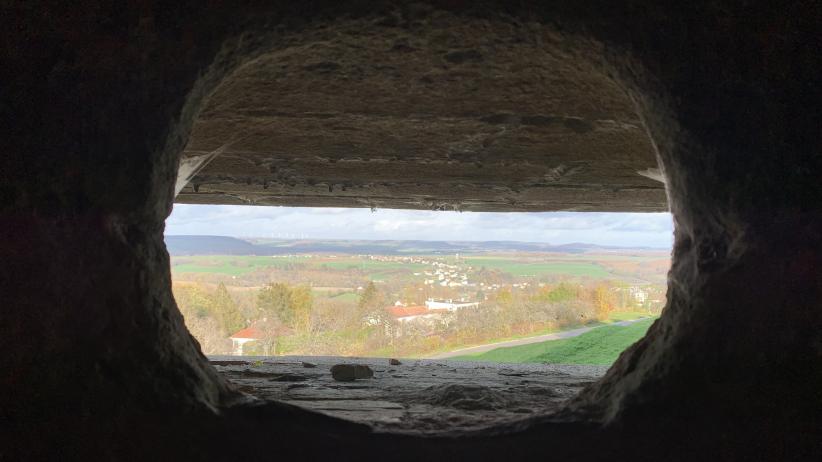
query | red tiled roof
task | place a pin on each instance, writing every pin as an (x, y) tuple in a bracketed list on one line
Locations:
[(248, 332), (404, 311), (407, 311)]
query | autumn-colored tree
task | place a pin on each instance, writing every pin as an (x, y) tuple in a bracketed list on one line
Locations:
[(208, 334), (272, 331), (193, 300), (504, 298), (603, 300)]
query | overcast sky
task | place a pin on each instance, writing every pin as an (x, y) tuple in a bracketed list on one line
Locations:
[(625, 229)]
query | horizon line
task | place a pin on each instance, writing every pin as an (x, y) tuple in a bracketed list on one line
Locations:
[(245, 238)]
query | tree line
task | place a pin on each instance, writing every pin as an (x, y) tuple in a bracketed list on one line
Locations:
[(295, 321)]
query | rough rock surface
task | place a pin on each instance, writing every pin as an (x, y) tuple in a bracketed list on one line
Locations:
[(421, 397), (351, 372), (97, 362), (445, 114)]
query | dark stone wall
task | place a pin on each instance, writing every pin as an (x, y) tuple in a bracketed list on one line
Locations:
[(745, 283), (101, 98)]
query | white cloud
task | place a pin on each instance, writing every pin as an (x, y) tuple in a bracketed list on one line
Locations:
[(628, 229)]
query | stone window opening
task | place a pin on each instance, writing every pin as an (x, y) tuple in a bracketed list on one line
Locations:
[(494, 107), (268, 324), (267, 135)]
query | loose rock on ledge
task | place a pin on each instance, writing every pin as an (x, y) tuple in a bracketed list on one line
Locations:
[(350, 372)]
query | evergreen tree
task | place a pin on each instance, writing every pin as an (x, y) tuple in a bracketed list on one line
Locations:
[(371, 306), (274, 301), (301, 302), (368, 297), (226, 311)]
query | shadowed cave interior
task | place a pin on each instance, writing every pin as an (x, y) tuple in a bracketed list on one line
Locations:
[(443, 105)]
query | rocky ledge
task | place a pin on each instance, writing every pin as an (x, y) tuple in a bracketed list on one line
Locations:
[(416, 396)]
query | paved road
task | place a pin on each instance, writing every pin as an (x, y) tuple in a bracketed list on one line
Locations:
[(528, 340)]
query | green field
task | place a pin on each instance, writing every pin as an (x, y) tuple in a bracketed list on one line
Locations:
[(587, 269), (380, 270), (239, 265), (601, 345), (377, 270), (617, 316), (231, 265)]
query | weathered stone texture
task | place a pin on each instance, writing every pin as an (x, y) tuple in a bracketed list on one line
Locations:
[(424, 105), (417, 397), (445, 114)]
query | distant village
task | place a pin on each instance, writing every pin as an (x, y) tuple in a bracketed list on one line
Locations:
[(457, 276), (431, 297)]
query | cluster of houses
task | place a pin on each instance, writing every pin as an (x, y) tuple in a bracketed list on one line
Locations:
[(446, 275), (516, 285), (435, 310), (442, 274), (395, 258)]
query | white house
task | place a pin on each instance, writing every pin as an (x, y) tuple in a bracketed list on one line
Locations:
[(449, 305)]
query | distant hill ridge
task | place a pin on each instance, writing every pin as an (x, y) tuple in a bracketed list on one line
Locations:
[(181, 245), (209, 245)]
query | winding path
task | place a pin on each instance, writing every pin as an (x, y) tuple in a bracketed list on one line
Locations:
[(528, 340)]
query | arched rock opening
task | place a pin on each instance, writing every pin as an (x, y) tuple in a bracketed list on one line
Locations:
[(103, 101)]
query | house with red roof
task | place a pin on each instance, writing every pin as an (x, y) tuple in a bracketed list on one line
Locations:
[(413, 313), (243, 336)]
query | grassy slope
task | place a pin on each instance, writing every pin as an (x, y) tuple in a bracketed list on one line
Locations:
[(617, 316), (599, 346)]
